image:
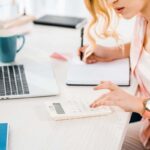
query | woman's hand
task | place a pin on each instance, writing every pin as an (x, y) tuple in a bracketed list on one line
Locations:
[(98, 54), (118, 97), (91, 58)]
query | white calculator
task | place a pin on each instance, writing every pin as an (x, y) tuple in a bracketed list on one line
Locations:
[(61, 110)]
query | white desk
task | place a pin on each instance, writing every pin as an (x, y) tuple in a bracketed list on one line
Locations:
[(30, 125)]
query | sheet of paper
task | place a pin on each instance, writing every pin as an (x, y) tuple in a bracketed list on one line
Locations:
[(80, 73)]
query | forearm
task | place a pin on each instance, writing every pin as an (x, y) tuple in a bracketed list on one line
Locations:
[(120, 52), (115, 52)]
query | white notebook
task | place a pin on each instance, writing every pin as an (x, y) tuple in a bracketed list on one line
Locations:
[(80, 73)]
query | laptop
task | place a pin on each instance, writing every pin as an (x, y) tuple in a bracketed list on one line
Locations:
[(27, 79)]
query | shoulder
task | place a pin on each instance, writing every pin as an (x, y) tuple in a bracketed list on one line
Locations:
[(140, 19)]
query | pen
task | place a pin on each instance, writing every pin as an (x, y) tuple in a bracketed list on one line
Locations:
[(82, 36)]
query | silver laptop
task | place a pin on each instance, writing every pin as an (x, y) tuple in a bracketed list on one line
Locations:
[(27, 79)]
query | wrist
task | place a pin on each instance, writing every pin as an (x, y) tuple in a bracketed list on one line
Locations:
[(117, 53), (124, 51), (140, 107)]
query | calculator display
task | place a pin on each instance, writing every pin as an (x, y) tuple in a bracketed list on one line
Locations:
[(58, 108)]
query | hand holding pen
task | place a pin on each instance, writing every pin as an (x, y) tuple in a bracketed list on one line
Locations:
[(83, 47), (83, 50)]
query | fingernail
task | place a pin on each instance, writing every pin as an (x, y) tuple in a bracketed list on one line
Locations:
[(94, 105)]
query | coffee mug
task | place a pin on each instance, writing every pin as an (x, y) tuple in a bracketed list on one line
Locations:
[(8, 47)]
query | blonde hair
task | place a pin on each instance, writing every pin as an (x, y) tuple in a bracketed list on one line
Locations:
[(103, 22)]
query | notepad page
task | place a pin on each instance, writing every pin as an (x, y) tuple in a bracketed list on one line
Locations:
[(80, 73)]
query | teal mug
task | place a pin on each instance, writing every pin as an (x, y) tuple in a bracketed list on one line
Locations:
[(8, 47)]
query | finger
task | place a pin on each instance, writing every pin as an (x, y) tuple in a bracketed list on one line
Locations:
[(87, 53), (99, 59), (106, 102), (91, 61), (106, 85), (101, 103), (81, 49), (100, 100)]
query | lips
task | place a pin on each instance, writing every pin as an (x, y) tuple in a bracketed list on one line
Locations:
[(119, 9)]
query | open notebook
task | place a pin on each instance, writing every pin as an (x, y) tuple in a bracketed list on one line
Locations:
[(117, 71)]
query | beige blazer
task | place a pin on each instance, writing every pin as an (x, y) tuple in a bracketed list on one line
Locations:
[(140, 69)]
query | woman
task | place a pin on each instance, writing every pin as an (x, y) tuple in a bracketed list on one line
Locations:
[(104, 13)]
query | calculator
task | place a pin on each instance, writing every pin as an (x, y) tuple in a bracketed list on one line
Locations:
[(62, 110)]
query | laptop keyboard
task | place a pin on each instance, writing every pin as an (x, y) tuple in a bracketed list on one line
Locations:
[(13, 80)]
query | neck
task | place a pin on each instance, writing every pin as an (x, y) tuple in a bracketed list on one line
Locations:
[(146, 11)]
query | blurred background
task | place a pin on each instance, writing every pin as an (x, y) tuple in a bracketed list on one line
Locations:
[(10, 9)]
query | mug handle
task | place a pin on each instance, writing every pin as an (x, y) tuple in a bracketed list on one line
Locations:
[(23, 41)]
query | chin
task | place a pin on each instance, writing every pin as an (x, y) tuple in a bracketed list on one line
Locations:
[(127, 16)]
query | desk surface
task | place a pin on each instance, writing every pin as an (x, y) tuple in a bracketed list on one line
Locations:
[(30, 125)]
